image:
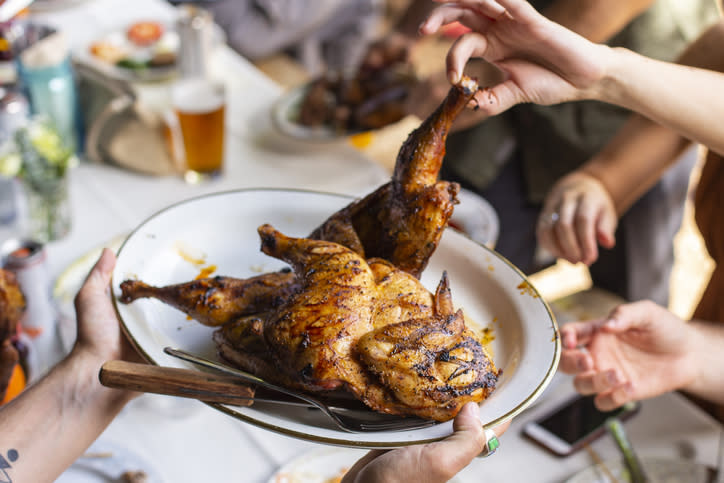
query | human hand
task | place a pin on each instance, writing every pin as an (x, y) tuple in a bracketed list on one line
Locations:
[(577, 213), (544, 63), (428, 463), (639, 351), (99, 333)]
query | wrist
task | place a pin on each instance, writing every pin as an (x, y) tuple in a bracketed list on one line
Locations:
[(701, 346), (614, 83), (85, 388)]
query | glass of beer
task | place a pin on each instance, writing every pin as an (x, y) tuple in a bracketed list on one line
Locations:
[(199, 108)]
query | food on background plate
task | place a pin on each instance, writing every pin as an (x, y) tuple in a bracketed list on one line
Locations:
[(142, 45), (353, 314), (145, 33), (370, 99)]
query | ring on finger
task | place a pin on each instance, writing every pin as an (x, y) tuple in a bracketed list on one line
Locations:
[(491, 444), (551, 218)]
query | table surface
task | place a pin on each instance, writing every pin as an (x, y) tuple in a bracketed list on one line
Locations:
[(186, 441)]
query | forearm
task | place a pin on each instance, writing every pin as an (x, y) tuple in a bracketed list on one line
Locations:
[(597, 20), (679, 97), (706, 361), (635, 159), (53, 422)]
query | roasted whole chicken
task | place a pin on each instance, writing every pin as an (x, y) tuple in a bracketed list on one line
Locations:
[(12, 308), (364, 326), (352, 313)]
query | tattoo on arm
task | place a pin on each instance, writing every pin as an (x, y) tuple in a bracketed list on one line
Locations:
[(12, 457)]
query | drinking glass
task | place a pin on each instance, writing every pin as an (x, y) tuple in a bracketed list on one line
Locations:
[(197, 127)]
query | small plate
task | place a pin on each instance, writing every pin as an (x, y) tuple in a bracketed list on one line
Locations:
[(477, 218), (219, 230), (320, 465), (117, 39), (53, 5), (657, 469), (285, 112), (284, 115), (105, 462)]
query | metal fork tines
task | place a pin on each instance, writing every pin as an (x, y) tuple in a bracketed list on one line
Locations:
[(349, 420)]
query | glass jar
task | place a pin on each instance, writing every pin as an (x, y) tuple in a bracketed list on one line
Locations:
[(48, 209)]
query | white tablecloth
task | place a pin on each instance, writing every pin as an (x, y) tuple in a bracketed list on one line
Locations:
[(186, 441)]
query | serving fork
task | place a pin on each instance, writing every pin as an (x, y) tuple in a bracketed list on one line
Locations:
[(228, 385), (351, 420)]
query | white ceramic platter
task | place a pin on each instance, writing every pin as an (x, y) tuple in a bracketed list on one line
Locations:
[(219, 230)]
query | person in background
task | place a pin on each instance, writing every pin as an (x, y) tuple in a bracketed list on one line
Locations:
[(321, 34), (640, 350), (50, 424), (588, 202), (513, 160)]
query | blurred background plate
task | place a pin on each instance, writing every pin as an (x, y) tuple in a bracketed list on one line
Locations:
[(320, 465), (106, 462), (477, 218), (657, 469), (53, 5), (285, 113), (115, 55), (337, 106)]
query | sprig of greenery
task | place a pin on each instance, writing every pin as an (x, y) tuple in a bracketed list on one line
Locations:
[(37, 154)]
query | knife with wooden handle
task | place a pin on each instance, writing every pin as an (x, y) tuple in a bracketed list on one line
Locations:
[(172, 381)]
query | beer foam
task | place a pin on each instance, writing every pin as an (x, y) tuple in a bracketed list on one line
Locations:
[(197, 96)]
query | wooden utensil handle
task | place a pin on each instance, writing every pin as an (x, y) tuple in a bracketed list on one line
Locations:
[(173, 381)]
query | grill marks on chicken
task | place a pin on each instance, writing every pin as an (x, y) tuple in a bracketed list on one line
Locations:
[(312, 335), (367, 327), (433, 364)]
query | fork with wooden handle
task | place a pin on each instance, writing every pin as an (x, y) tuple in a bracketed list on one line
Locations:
[(173, 381)]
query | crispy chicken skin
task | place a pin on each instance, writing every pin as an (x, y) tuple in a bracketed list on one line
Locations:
[(12, 308), (403, 220), (312, 335), (367, 327), (433, 365), (218, 300)]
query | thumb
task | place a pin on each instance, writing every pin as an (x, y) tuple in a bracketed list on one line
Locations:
[(626, 317), (99, 278), (499, 98), (459, 449), (606, 228)]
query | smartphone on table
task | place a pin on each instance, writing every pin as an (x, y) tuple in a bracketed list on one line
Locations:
[(569, 426)]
